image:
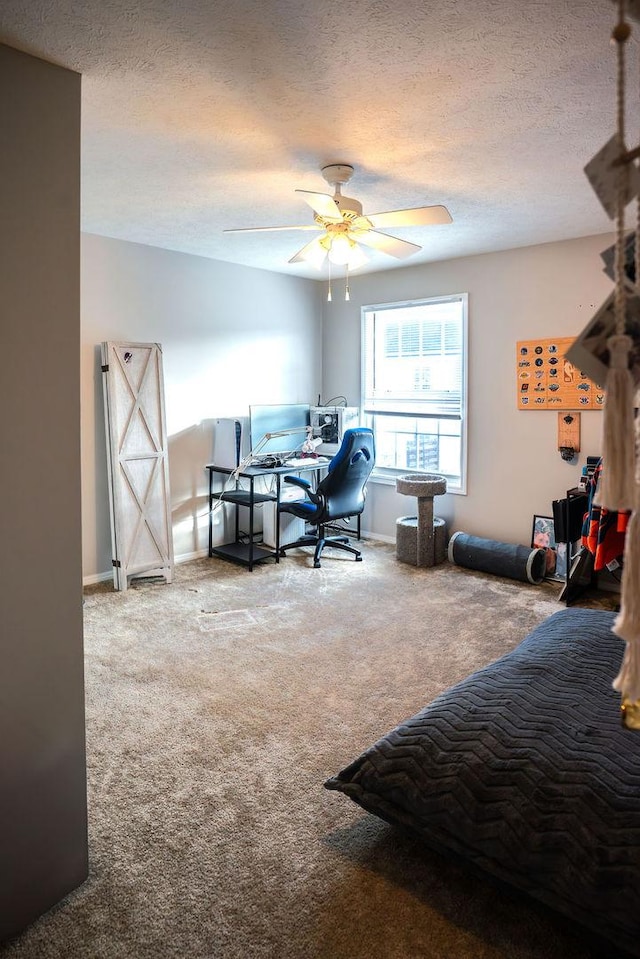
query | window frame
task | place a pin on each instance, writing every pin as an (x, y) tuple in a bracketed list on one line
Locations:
[(387, 475)]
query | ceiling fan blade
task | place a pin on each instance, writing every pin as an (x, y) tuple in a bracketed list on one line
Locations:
[(266, 229), (388, 244), (313, 253), (323, 204), (420, 216)]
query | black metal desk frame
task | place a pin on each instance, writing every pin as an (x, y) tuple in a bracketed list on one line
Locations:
[(248, 554)]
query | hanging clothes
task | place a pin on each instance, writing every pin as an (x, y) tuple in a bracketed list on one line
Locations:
[(603, 530)]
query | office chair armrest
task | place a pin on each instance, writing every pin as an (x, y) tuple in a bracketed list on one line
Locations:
[(298, 481), (306, 486)]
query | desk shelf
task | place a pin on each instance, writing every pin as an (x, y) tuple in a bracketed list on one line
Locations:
[(240, 553), (249, 553), (245, 554)]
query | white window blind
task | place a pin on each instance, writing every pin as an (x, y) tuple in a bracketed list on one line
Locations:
[(414, 386)]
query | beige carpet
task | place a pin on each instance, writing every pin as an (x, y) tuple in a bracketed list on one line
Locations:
[(216, 708)]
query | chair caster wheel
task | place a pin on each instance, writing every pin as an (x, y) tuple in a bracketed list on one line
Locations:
[(316, 565), (358, 559)]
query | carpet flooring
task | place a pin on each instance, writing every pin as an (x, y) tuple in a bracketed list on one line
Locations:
[(217, 707)]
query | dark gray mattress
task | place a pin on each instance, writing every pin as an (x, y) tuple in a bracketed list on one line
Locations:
[(525, 769)]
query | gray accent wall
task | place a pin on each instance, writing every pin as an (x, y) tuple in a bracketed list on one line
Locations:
[(43, 812), (231, 336), (514, 468)]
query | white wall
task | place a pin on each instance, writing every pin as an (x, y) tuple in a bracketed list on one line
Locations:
[(43, 804), (231, 336), (514, 468)]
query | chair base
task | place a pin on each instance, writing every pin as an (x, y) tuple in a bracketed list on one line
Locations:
[(320, 541)]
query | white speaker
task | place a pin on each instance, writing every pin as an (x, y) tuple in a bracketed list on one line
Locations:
[(231, 441)]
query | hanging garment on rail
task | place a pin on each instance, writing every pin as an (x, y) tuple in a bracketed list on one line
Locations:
[(603, 530)]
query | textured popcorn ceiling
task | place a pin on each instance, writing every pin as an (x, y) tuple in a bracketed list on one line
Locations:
[(200, 115)]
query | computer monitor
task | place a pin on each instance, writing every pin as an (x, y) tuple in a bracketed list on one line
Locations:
[(274, 419)]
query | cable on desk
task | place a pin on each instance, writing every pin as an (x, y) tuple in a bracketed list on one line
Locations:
[(243, 537), (233, 478), (218, 500)]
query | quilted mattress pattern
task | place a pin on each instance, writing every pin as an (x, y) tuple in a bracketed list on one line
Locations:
[(525, 769)]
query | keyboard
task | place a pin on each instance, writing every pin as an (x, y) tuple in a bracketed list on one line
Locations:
[(306, 461)]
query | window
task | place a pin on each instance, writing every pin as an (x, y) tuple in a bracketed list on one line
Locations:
[(414, 386)]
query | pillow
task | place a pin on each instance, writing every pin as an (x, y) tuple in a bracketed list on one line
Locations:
[(525, 769)]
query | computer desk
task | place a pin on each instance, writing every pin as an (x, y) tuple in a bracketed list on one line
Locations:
[(248, 554)]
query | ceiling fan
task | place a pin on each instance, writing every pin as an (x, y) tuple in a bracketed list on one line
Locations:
[(345, 228)]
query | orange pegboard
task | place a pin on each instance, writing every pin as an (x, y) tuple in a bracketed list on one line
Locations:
[(547, 380)]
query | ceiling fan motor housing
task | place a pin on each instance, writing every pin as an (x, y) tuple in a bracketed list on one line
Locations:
[(347, 205)]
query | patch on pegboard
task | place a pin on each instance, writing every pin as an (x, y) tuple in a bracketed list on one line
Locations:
[(546, 379)]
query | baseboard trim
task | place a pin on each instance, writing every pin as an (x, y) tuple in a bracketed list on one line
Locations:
[(94, 578), (187, 557), (379, 537)]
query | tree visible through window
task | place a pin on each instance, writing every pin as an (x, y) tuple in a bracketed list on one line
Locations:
[(414, 386)]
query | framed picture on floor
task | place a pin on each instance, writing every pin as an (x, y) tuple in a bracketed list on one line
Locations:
[(561, 562), (561, 559), (543, 537)]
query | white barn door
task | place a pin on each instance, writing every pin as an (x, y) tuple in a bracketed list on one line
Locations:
[(138, 462)]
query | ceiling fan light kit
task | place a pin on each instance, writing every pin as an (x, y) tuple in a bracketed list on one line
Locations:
[(345, 229)]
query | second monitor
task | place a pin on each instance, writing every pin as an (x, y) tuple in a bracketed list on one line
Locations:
[(287, 419)]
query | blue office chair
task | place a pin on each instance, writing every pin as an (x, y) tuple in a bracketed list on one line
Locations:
[(340, 494)]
